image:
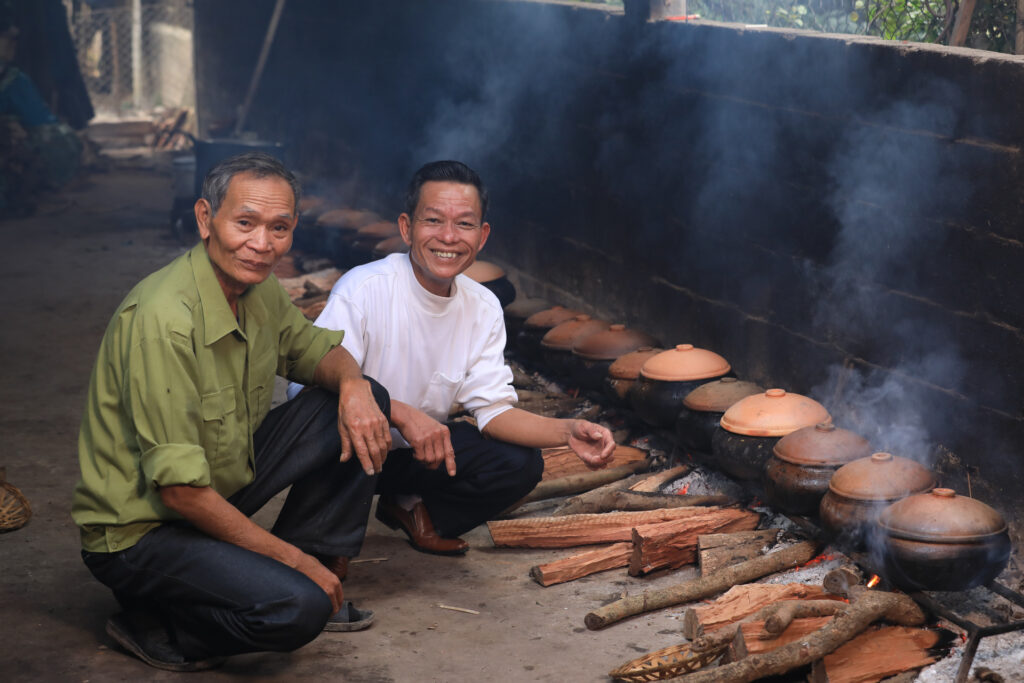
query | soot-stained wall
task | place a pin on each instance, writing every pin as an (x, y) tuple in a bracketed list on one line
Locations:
[(841, 217)]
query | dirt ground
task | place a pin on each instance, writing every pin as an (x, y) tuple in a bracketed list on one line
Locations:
[(63, 271)]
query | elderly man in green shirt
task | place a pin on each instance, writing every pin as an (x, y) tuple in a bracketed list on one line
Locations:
[(178, 444)]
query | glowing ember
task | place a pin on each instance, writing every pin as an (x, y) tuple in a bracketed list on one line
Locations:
[(682, 491), (817, 560), (874, 581)]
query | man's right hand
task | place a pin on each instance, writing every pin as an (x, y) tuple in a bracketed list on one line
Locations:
[(430, 440), (323, 577)]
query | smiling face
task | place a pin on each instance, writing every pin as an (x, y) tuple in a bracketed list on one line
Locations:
[(444, 234), (250, 232)]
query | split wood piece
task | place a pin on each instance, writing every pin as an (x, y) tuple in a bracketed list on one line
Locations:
[(583, 564), (654, 482), (575, 530), (562, 462), (612, 499), (877, 654), (521, 509), (324, 280), (703, 587), (866, 607), (776, 618), (576, 483), (742, 601), (673, 544), (752, 639), (718, 551)]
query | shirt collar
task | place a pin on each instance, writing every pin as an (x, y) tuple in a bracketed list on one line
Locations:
[(217, 315), (431, 303)]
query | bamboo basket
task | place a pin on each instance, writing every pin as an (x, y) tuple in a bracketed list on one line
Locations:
[(668, 662), (14, 508)]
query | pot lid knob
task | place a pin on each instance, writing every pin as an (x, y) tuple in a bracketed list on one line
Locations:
[(582, 317), (825, 427), (775, 393), (881, 457), (944, 493), (728, 380), (617, 327)]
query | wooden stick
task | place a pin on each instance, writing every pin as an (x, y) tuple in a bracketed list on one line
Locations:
[(710, 642), (673, 544), (750, 638), (575, 483), (457, 609), (654, 482), (610, 498), (583, 564), (701, 588), (574, 530)]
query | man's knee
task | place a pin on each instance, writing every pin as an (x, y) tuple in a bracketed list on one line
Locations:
[(291, 622)]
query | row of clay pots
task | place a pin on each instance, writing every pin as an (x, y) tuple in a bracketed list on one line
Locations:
[(933, 539)]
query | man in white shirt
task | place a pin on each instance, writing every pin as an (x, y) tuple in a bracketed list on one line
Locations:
[(436, 338)]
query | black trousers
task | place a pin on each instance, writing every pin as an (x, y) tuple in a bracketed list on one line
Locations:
[(219, 599), (489, 476)]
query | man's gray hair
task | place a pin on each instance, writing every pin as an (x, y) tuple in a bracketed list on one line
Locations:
[(258, 164)]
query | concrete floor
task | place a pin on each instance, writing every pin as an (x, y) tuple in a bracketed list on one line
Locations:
[(63, 271)]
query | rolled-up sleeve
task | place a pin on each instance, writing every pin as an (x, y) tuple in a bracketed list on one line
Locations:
[(487, 390), (166, 413), (301, 345)]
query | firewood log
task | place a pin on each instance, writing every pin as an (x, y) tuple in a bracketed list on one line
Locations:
[(673, 544), (575, 483), (877, 654), (716, 551), (582, 564), (561, 462), (609, 499), (574, 530), (703, 587), (654, 482), (750, 636), (776, 617), (742, 601)]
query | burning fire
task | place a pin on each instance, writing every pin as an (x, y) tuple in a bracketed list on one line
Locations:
[(874, 580), (682, 491), (817, 560)]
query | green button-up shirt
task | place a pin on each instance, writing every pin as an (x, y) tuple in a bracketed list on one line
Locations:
[(178, 389)]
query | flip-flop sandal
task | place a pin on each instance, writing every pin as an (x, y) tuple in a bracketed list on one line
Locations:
[(348, 618)]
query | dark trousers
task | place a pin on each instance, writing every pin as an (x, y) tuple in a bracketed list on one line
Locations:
[(219, 599), (489, 476)]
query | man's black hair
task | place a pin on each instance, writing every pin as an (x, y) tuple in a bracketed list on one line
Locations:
[(444, 171), (258, 164)]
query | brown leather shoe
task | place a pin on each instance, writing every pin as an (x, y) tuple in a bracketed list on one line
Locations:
[(417, 526)]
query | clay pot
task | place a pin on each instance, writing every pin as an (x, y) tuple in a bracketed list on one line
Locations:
[(516, 313), (860, 490), (537, 325), (752, 426), (802, 463), (492, 276), (702, 411), (667, 378), (594, 354), (346, 219), (940, 541), (311, 206), (360, 247), (624, 370), (556, 344)]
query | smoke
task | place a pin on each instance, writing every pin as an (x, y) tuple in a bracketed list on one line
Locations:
[(892, 184)]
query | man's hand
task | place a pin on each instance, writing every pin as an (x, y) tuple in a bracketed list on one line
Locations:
[(363, 428), (593, 443), (323, 577), (430, 440)]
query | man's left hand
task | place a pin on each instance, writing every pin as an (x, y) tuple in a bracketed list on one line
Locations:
[(363, 427), (593, 443)]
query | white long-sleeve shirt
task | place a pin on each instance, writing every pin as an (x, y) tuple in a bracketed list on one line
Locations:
[(428, 351)]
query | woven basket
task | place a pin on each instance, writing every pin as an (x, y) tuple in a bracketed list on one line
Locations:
[(665, 663), (14, 508)]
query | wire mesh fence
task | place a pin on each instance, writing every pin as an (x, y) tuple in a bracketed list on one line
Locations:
[(135, 56)]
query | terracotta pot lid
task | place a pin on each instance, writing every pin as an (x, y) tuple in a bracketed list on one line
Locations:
[(941, 516), (548, 318), (347, 219), (822, 444), (561, 337), (881, 476), (719, 395), (391, 245), (378, 230), (522, 307), (684, 363), (614, 341), (773, 413), (484, 271), (628, 365), (311, 203)]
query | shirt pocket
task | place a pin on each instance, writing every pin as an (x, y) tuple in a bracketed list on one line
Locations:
[(440, 394), (261, 394), (218, 419)]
